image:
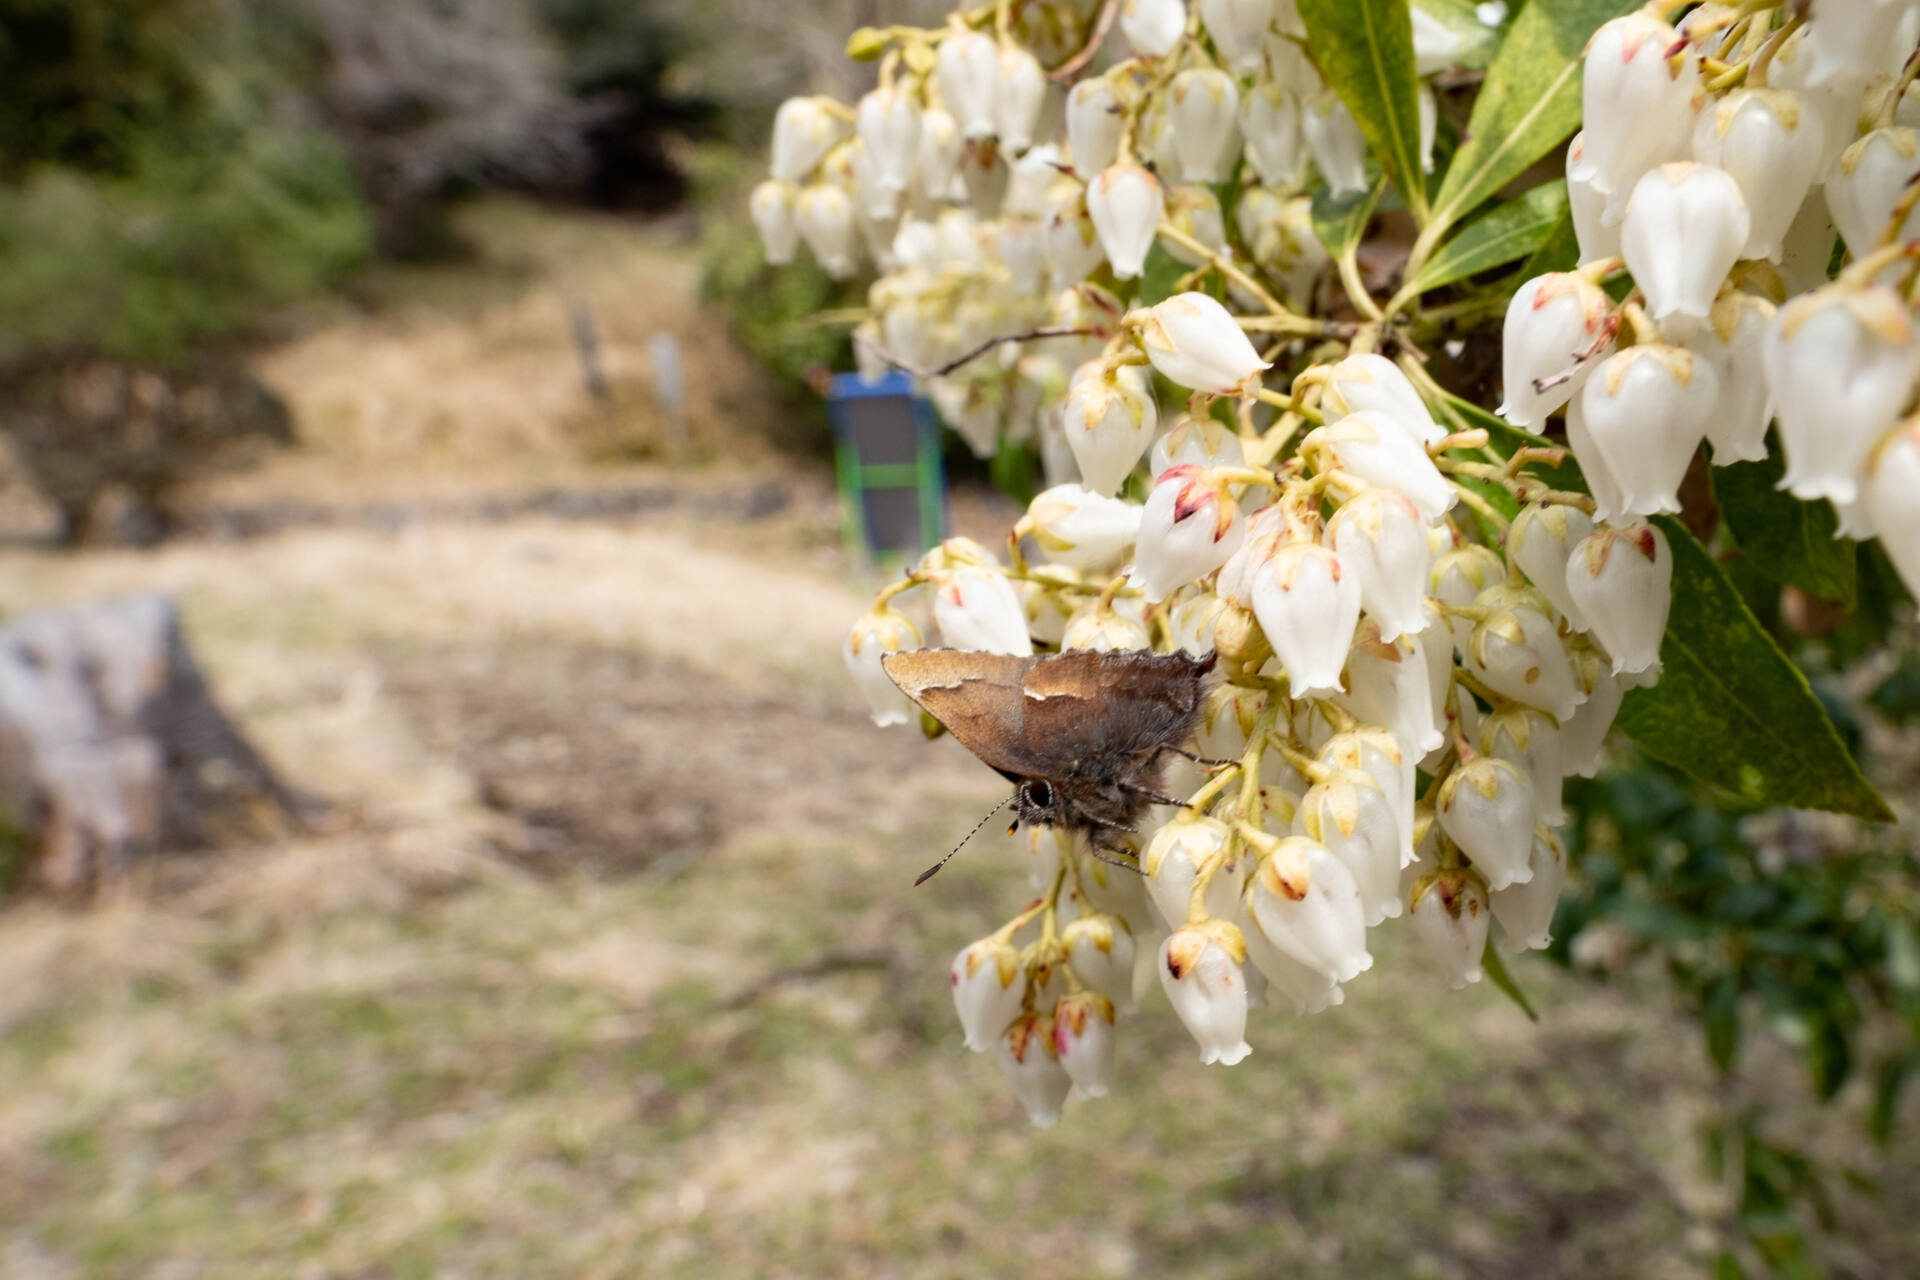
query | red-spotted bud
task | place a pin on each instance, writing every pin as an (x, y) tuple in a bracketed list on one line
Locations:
[(1032, 1066), (1188, 529), (1201, 970), (1621, 576), (1448, 920), (1083, 1040), (1553, 323)]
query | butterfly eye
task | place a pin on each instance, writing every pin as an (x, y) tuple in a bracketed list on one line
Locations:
[(1040, 792)]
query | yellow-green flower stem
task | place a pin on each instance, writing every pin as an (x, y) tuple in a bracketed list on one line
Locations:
[(1636, 326), (1336, 715), (1357, 288), (1899, 90), (1004, 934), (1890, 234), (1302, 763), (1757, 72), (1507, 478), (1284, 321), (1598, 270), (893, 589), (1471, 612), (1498, 701), (1243, 475), (1476, 438), (1552, 456), (1486, 509), (1290, 404)]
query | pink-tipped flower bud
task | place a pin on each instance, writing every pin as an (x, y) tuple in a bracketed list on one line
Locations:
[(1621, 576), (1645, 411), (1685, 227), (988, 987), (1308, 603), (1448, 919), (1556, 324), (1201, 972), (1195, 342), (1189, 528)]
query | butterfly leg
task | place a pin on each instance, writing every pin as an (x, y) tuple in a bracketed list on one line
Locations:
[(1099, 848), (1152, 797), (1212, 764)]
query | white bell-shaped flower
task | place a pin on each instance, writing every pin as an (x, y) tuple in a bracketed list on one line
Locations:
[(1270, 128), (1077, 527), (1378, 754), (1172, 863), (1552, 322), (1083, 1040), (1018, 96), (1448, 919), (1458, 577), (1529, 740), (1525, 910), (1022, 247), (1486, 807), (1436, 646), (1306, 903), (1193, 620), (1104, 630), (1389, 685), (889, 124), (1030, 182), (1334, 139), (1046, 849), (1583, 736), (1195, 210), (1621, 578), (1636, 105), (1887, 494), (1188, 529), (1202, 106), (1867, 184), (1203, 442), (1308, 603), (1093, 125), (1768, 141), (1516, 651), (1597, 239), (989, 984), (1733, 340), (1381, 537), (1072, 243), (1846, 41), (968, 73), (1153, 27), (1290, 983), (1279, 234), (1353, 818), (1100, 950), (937, 168), (1126, 203), (1201, 972), (964, 404), (1540, 539), (1685, 227), (1196, 343), (1032, 1067), (1368, 381), (985, 173), (804, 130), (1384, 454), (1841, 361), (1608, 500), (772, 206), (1239, 30), (976, 608), (1109, 420), (874, 635), (824, 216), (1645, 410)]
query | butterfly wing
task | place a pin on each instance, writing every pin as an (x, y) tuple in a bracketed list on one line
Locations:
[(977, 696), (1087, 706)]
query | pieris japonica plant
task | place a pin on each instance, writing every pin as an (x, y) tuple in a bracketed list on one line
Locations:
[(1237, 274)]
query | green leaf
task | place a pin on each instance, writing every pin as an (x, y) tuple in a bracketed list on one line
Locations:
[(1478, 41), (1789, 540), (1829, 1053), (1721, 1010), (1559, 252), (1495, 967), (1727, 1267), (1529, 102), (1512, 230), (1158, 275), (1339, 222), (1731, 709), (1364, 49), (1889, 1083)]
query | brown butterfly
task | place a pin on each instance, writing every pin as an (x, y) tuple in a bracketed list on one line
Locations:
[(1082, 735)]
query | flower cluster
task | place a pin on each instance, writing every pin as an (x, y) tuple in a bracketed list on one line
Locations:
[(1417, 639)]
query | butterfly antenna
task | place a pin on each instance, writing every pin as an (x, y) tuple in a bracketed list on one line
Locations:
[(928, 873)]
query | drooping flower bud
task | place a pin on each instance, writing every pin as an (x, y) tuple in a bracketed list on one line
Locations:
[(1637, 107), (1083, 1040), (1768, 141), (968, 72), (1305, 901), (1153, 27), (1093, 125), (1173, 860), (1525, 910), (772, 206), (1126, 204), (1279, 234), (1032, 1066), (824, 216), (1290, 983), (1195, 342), (1516, 651), (1308, 603), (1458, 577), (1202, 105), (1685, 227), (988, 986), (1239, 29), (1100, 952), (1448, 919), (937, 166), (1645, 410), (1030, 182), (1540, 539), (1353, 818), (874, 635), (889, 123), (1367, 381), (1872, 175), (1201, 972), (1597, 239), (1382, 538), (1384, 454), (1203, 442), (1552, 321), (1621, 577), (976, 608), (1844, 43), (1104, 631), (1378, 754), (1887, 493), (1391, 687), (1194, 210), (1733, 340), (803, 132), (1583, 736), (1019, 93), (1109, 420), (1077, 527), (1486, 807), (1338, 147), (1188, 529), (1270, 125), (1841, 361), (1529, 740), (1608, 500)]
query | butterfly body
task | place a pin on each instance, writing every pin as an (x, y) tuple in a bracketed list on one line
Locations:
[(1083, 735)]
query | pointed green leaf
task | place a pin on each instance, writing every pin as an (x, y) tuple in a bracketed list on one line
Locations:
[(1364, 49), (1731, 709), (1495, 967), (1529, 102), (1157, 276), (1512, 230), (1559, 252), (1790, 541)]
